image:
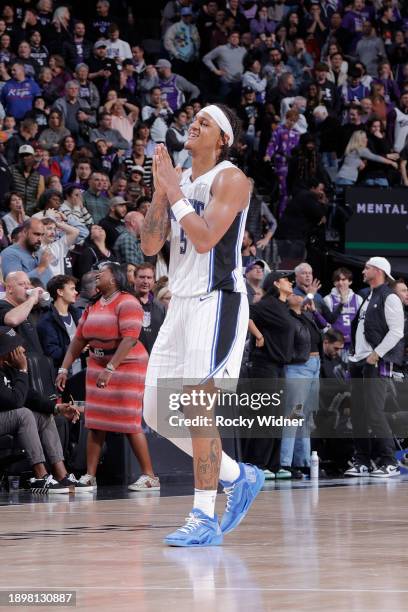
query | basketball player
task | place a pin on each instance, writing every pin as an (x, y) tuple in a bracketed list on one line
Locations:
[(204, 332)]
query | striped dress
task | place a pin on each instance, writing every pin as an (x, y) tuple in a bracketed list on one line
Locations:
[(117, 407)]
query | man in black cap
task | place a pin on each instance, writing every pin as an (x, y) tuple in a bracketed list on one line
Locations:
[(103, 71), (114, 223), (254, 275), (27, 414)]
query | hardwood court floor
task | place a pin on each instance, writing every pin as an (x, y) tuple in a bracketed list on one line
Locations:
[(318, 549)]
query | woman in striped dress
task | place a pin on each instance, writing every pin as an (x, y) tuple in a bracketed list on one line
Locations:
[(115, 372)]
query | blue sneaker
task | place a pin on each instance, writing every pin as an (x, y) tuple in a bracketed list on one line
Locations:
[(240, 495), (199, 530)]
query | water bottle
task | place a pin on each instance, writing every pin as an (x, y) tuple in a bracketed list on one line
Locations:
[(314, 466)]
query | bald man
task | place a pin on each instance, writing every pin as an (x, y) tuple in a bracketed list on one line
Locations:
[(127, 246), (25, 255), (15, 309)]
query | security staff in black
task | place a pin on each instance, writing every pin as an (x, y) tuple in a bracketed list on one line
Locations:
[(378, 343)]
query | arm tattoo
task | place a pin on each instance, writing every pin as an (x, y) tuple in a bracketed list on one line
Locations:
[(156, 223), (207, 467)]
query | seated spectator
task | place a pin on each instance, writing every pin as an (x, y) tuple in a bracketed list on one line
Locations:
[(18, 93), (48, 204), (88, 290), (95, 201), (163, 296), (136, 182), (338, 69), (94, 252), (25, 256), (154, 312), (60, 76), (106, 159), (127, 246), (143, 134), (75, 211), (31, 67), (385, 77), (275, 67), (301, 63), (26, 135), (123, 121), (112, 136), (27, 181), (113, 223), (128, 84), (252, 78), (138, 157), (57, 326), (63, 162), (16, 216), (28, 415), (59, 245), (370, 49)]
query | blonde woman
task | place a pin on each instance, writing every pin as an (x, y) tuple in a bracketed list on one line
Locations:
[(355, 154)]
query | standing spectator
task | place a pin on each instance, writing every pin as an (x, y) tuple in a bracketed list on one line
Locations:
[(87, 90), (101, 22), (17, 95), (94, 200), (370, 49), (103, 70), (254, 276), (127, 246), (14, 202), (182, 42), (272, 332), (154, 312), (284, 140), (378, 343), (27, 181), (301, 390), (25, 256), (351, 302), (175, 89), (115, 372), (78, 50), (357, 151), (57, 326), (385, 77), (176, 137), (38, 52), (76, 112), (157, 115), (113, 223), (251, 79), (118, 49), (226, 62)]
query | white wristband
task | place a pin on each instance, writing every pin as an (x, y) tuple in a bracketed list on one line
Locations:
[(181, 208)]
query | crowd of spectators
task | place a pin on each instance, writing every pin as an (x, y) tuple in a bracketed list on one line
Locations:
[(87, 91)]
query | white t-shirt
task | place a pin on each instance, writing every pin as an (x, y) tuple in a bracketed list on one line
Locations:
[(59, 248)]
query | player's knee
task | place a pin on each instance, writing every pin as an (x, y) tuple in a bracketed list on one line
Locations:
[(150, 407)]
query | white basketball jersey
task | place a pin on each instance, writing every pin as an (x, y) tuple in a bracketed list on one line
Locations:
[(193, 274)]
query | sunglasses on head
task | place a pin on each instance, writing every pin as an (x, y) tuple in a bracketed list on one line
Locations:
[(105, 264)]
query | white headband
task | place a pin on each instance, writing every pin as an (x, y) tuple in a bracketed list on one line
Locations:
[(220, 119)]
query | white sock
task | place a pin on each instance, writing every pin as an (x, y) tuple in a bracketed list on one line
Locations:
[(205, 501), (229, 469)]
